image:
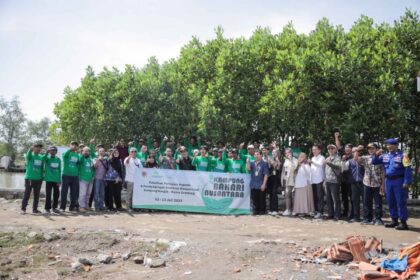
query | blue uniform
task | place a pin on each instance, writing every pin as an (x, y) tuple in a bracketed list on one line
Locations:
[(396, 176)]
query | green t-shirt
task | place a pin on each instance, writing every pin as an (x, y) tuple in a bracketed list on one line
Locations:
[(34, 166), (236, 166), (142, 157), (201, 163), (71, 162), (220, 165), (52, 169), (87, 171)]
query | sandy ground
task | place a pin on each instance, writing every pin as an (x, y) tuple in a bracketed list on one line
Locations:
[(217, 247)]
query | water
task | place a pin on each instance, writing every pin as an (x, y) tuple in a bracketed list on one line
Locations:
[(11, 180)]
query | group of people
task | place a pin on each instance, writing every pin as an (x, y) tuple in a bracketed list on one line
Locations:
[(345, 178)]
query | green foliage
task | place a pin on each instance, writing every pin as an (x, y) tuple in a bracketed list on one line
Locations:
[(269, 86)]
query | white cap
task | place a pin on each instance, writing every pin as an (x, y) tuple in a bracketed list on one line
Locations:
[(250, 146)]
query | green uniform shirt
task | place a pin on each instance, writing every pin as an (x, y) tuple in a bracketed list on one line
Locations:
[(201, 163), (87, 171), (52, 167), (142, 157), (71, 162), (34, 166), (236, 166)]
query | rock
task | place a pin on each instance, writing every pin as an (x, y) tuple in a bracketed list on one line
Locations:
[(85, 261), (76, 266), (32, 234), (54, 262), (187, 272), (138, 260), (48, 237), (174, 246), (116, 256), (157, 263), (23, 262), (237, 270), (102, 258), (126, 256)]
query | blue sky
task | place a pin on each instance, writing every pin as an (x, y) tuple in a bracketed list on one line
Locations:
[(47, 45)]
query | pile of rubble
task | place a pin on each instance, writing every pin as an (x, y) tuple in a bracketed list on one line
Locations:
[(368, 255)]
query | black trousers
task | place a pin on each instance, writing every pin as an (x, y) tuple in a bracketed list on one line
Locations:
[(318, 194), (29, 186), (51, 188), (258, 201), (272, 186), (346, 198), (113, 195), (72, 183), (92, 195)]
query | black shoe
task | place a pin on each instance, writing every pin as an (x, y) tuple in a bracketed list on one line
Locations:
[(56, 211), (23, 211), (393, 224), (366, 222), (402, 226), (36, 211)]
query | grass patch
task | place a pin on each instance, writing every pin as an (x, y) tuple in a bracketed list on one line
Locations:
[(11, 240), (63, 272)]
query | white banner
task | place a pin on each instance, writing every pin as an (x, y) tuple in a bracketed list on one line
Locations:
[(192, 191)]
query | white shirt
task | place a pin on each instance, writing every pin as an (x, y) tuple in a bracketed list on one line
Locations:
[(131, 167), (317, 169), (303, 176)]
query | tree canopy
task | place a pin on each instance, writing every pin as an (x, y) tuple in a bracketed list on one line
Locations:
[(269, 86)]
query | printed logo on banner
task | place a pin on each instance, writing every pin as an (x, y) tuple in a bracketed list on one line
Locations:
[(219, 196)]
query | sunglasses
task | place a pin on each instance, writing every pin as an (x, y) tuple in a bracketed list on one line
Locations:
[(133, 152)]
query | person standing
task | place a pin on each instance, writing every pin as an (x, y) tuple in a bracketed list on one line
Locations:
[(202, 162), (122, 149), (303, 202), (398, 179), (374, 186), (357, 172), (234, 164), (113, 179), (101, 166), (287, 178), (70, 177), (132, 164), (167, 161), (333, 169), (346, 195), (52, 176), (33, 177), (259, 176), (184, 161), (273, 183), (87, 173), (317, 180)]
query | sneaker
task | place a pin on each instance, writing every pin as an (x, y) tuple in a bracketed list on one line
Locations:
[(379, 222), (402, 226), (294, 214), (82, 210), (36, 211), (354, 220), (286, 213), (23, 211), (47, 211), (56, 211), (274, 213), (393, 224), (366, 222), (318, 216), (130, 210)]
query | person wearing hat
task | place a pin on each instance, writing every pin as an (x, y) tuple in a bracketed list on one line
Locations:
[(333, 169), (398, 178), (33, 176), (288, 180), (373, 186), (132, 164), (249, 156), (184, 160), (213, 158), (235, 164), (219, 162), (86, 175), (52, 177), (70, 177), (202, 162)]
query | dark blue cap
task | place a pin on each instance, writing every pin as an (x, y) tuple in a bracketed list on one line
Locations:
[(392, 141)]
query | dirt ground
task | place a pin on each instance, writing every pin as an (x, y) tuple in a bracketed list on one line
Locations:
[(216, 247)]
